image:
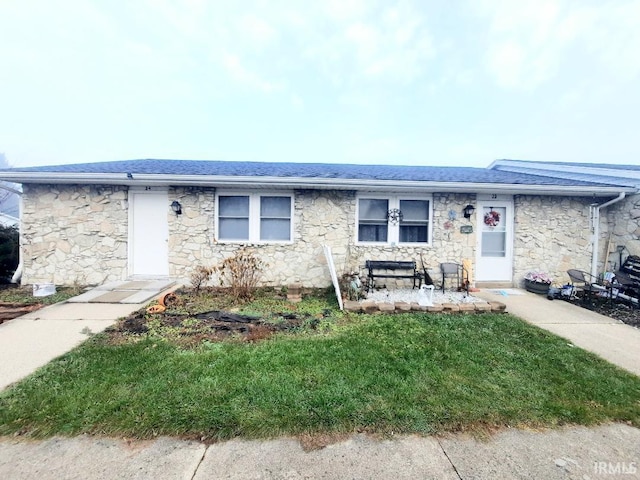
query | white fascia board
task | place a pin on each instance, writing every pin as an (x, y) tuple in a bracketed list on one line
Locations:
[(535, 167), (307, 183), (619, 179)]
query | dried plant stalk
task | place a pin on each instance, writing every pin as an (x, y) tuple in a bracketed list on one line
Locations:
[(241, 272)]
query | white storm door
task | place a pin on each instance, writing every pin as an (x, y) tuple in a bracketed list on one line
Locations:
[(149, 233), (494, 262)]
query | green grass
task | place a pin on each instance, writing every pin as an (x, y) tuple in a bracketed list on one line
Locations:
[(404, 373), (24, 295)]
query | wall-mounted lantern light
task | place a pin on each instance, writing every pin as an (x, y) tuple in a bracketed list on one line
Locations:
[(468, 211), (176, 207)]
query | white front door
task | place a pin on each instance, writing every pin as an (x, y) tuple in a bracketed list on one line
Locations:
[(494, 262), (148, 233)]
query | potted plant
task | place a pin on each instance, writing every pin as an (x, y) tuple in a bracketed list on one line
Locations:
[(537, 282)]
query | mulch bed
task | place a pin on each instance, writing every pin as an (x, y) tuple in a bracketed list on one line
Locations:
[(616, 310)]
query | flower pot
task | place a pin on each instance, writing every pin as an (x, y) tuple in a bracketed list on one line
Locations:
[(536, 287)]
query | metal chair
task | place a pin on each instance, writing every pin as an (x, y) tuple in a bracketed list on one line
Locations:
[(585, 283), (455, 271)]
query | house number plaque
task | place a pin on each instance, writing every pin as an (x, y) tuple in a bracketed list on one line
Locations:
[(466, 229)]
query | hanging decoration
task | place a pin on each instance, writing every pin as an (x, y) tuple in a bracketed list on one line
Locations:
[(491, 218), (394, 216)]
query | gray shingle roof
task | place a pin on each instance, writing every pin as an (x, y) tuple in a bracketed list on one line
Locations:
[(308, 170)]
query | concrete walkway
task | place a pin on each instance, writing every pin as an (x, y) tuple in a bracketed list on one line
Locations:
[(610, 451), (610, 339), (33, 340)]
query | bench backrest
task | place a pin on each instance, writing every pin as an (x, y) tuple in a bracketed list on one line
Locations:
[(389, 265)]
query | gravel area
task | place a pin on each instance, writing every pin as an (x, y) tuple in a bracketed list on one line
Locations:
[(410, 295)]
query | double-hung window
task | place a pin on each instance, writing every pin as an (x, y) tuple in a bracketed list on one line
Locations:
[(254, 217), (394, 220)]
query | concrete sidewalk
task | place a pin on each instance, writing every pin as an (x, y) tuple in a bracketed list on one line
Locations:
[(33, 340), (610, 451), (610, 339)]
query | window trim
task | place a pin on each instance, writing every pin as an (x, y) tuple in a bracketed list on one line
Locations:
[(254, 215), (393, 231)]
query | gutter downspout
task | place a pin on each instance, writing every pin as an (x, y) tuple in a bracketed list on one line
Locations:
[(595, 229)]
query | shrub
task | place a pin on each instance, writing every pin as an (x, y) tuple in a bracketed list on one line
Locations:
[(241, 272), (201, 276), (9, 251)]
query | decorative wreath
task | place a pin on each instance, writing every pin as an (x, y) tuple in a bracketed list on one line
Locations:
[(394, 216), (491, 218)]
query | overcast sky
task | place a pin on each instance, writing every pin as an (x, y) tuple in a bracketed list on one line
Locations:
[(397, 82)]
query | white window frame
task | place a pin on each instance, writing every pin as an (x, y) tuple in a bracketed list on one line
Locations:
[(254, 215), (393, 231)]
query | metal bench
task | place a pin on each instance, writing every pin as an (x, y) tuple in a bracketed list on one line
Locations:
[(392, 269)]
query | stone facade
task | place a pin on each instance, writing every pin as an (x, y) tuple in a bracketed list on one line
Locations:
[(74, 234), (552, 234), (320, 217), (79, 234), (622, 222), (448, 244)]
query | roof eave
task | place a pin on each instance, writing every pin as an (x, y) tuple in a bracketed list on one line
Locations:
[(552, 169), (307, 183)]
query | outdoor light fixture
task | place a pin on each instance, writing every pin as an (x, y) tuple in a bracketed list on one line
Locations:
[(468, 211), (176, 207)]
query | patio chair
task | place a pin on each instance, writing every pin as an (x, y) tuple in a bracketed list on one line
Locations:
[(586, 285), (456, 272)]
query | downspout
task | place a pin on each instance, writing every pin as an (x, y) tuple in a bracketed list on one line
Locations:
[(595, 228)]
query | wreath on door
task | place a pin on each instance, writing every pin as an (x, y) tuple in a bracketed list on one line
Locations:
[(491, 218)]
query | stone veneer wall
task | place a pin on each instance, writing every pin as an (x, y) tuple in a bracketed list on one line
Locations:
[(320, 217), (79, 234), (448, 244), (552, 234), (622, 220), (74, 234)]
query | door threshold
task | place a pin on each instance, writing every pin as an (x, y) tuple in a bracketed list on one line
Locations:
[(149, 278), (490, 284)]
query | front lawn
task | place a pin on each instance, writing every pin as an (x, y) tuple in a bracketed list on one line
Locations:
[(386, 373)]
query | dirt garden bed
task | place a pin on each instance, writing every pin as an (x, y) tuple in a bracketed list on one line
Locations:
[(212, 315)]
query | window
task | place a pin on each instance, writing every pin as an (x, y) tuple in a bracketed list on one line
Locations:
[(254, 217), (275, 218), (233, 217), (414, 226), (374, 226)]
